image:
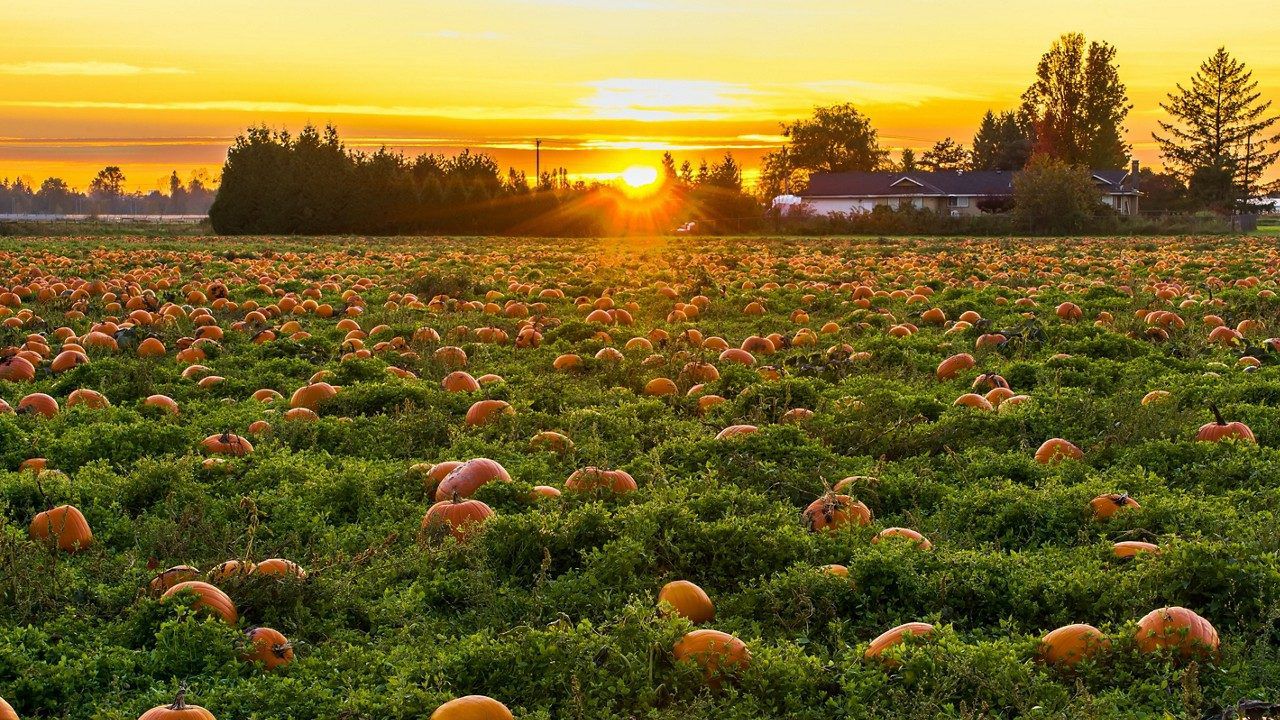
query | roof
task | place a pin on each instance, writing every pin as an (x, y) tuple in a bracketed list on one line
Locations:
[(945, 183)]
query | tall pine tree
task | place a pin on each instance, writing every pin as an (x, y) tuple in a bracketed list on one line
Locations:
[(1221, 141), (1078, 105)]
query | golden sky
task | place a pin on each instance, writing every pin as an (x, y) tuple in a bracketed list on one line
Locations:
[(158, 85)]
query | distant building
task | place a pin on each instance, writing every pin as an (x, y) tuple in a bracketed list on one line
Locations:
[(956, 192)]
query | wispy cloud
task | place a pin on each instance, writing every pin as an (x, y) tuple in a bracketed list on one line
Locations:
[(90, 68), (665, 99), (877, 93)]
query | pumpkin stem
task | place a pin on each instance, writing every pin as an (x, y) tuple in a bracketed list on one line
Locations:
[(180, 701), (456, 498), (1216, 414), (1122, 500), (281, 649)]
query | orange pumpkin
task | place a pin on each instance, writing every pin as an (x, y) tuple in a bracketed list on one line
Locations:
[(178, 710), (487, 411), (688, 601), (65, 525), (1177, 628), (207, 597), (1070, 644), (464, 479), (269, 647), (311, 396), (174, 575), (1104, 506), (954, 365), (281, 568), (460, 517), (714, 651), (38, 404), (460, 381), (1133, 548), (906, 533), (6, 711), (894, 637), (833, 512), (472, 707), (1055, 450), (593, 479), (1220, 430), (227, 444)]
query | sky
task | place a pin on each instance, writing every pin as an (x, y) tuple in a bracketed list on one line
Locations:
[(161, 85)]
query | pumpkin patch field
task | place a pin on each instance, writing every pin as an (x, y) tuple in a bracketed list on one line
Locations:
[(660, 479)]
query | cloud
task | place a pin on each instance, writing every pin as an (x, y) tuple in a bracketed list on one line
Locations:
[(876, 93), (91, 68), (665, 99)]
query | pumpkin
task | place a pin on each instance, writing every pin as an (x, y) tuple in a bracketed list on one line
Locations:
[(229, 570), (311, 396), (893, 637), (207, 597), (163, 402), (178, 710), (835, 569), (17, 369), (1055, 450), (593, 479), (832, 512), (484, 412), (1104, 506), (660, 387), (954, 365), (464, 479), (460, 517), (714, 651), (687, 600), (174, 575), (38, 404), (973, 400), (65, 525), (734, 431), (906, 533), (472, 707), (460, 381), (281, 568), (1133, 548), (1070, 644), (552, 441), (1155, 396), (1177, 628), (6, 711), (545, 491), (269, 647), (227, 444), (1220, 429)]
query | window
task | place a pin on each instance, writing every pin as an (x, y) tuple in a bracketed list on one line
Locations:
[(958, 202)]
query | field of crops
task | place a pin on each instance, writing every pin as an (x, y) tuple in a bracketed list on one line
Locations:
[(264, 464)]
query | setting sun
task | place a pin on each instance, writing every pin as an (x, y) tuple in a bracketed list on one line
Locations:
[(638, 177)]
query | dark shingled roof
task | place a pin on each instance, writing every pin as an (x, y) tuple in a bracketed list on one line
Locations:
[(953, 182)]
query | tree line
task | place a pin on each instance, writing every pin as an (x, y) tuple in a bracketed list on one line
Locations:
[(1217, 143), (311, 183), (107, 195)]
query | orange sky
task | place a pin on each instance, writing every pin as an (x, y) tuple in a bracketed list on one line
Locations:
[(158, 85)]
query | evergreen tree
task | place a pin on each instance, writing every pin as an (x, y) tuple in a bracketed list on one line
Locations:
[(945, 155), (1003, 142), (908, 162), (1221, 140)]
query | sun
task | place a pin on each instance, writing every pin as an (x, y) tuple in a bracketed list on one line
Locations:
[(639, 177)]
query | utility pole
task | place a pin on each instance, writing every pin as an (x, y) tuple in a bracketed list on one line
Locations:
[(537, 162)]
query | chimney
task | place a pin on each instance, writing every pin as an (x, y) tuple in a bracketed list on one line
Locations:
[(1133, 173)]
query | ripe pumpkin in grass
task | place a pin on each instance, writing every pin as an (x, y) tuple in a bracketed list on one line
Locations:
[(1179, 629), (464, 479), (592, 479), (38, 404), (312, 395), (1220, 429), (734, 431), (472, 707), (954, 365), (269, 647), (1070, 644), (281, 568), (178, 710), (713, 651), (91, 399), (895, 636), (229, 570), (688, 601), (1104, 506), (1133, 548), (460, 381), (65, 524), (6, 711), (1056, 450), (832, 512), (174, 575), (459, 516), (164, 402), (906, 533), (207, 597), (487, 411), (227, 444), (17, 369)]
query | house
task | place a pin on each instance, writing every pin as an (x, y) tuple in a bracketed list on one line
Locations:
[(957, 192)]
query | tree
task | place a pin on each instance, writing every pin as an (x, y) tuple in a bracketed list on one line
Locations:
[(1221, 141), (108, 184), (55, 197), (1077, 104), (668, 167), (1052, 197), (726, 174), (945, 155), (908, 162), (1003, 142), (836, 139), (1162, 192)]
